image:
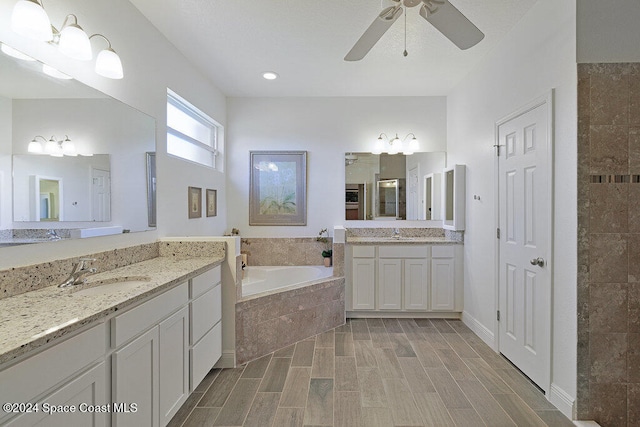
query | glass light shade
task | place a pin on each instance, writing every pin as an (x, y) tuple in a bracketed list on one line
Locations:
[(15, 53), (108, 64), (50, 71), (75, 43), (30, 20), (52, 148), (35, 147), (377, 146), (69, 148), (412, 146), (394, 145)]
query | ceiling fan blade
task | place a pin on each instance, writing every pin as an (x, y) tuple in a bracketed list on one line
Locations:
[(451, 23), (375, 31)]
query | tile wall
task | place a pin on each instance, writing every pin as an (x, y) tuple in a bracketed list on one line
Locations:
[(609, 244)]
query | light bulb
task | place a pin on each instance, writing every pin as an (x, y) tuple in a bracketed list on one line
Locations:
[(75, 43), (108, 64), (30, 20)]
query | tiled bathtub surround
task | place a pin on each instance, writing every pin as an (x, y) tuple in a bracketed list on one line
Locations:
[(609, 243), (268, 323), (388, 232), (190, 249), (284, 251)]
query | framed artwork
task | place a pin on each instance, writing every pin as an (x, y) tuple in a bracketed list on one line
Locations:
[(278, 188), (195, 202), (212, 202)]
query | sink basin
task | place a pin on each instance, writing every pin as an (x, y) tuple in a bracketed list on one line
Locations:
[(109, 286)]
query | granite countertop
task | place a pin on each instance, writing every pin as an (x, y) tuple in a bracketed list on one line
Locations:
[(387, 240), (32, 319)]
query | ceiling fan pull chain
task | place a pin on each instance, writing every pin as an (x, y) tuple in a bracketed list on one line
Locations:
[(405, 53)]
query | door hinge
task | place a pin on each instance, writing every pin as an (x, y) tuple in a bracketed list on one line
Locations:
[(498, 315), (497, 233)]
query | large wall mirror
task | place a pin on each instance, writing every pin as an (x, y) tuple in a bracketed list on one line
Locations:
[(388, 187), (104, 185)]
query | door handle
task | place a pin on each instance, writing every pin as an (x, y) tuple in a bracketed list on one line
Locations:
[(538, 261)]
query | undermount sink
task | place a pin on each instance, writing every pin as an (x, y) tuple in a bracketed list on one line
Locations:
[(109, 286)]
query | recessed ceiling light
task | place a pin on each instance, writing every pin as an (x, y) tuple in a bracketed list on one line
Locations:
[(270, 75)]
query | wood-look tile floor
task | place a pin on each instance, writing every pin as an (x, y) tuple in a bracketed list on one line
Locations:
[(374, 372)]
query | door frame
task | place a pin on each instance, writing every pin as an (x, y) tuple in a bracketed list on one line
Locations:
[(548, 99)]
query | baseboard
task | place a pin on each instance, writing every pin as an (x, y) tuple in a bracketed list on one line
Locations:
[(228, 360), (479, 329), (561, 400), (403, 315)]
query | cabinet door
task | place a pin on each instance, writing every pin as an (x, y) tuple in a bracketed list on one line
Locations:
[(416, 284), (389, 284), (88, 389), (442, 283), (136, 380), (174, 364), (364, 284)]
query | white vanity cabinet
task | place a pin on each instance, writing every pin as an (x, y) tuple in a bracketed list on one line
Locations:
[(404, 278)]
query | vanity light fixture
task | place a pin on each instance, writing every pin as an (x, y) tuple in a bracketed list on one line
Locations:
[(30, 20), (52, 146), (395, 145)]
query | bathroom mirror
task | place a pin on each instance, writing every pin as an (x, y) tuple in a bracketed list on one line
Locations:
[(388, 187), (105, 185)]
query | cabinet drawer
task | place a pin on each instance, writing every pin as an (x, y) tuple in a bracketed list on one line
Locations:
[(441, 251), (364, 251), (133, 322), (207, 280), (205, 354), (403, 251), (206, 311), (30, 378)]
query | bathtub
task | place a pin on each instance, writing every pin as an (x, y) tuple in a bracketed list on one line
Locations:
[(257, 279)]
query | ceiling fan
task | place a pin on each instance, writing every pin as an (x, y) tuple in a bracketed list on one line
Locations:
[(440, 13)]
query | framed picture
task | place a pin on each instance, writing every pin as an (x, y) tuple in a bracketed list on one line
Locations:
[(278, 188), (212, 202), (195, 202)]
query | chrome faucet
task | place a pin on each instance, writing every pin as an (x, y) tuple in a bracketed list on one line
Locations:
[(80, 270), (396, 233)]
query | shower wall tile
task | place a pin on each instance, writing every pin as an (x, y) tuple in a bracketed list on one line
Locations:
[(633, 359), (608, 258), (634, 208), (284, 251), (634, 150), (609, 208), (608, 307), (634, 257), (609, 404), (610, 99), (609, 149), (633, 404), (634, 307), (608, 353)]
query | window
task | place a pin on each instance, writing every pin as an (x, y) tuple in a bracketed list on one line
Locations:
[(191, 134)]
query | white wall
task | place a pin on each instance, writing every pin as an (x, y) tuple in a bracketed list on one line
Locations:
[(608, 31), (5, 162), (326, 128), (151, 64), (536, 56)]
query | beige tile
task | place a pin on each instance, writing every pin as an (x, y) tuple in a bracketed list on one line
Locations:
[(276, 374), (257, 368), (360, 330), (524, 388), (323, 363), (263, 410), (608, 258), (296, 388), (347, 411), (326, 339), (319, 409), (184, 411), (459, 345), (392, 326), (448, 389), (416, 377), (375, 323), (608, 354), (487, 407), (371, 388), (201, 417), (435, 339), (488, 376), (433, 411), (376, 417), (220, 389), (442, 326), (289, 417), (388, 363), (401, 345), (344, 344), (456, 367), (609, 99), (208, 379), (608, 307), (466, 417), (285, 352), (238, 404), (403, 409), (609, 149), (380, 337), (555, 418), (303, 354), (518, 410), (345, 374), (427, 355), (365, 355), (608, 208)]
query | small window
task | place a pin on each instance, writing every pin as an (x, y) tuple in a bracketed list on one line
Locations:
[(191, 134)]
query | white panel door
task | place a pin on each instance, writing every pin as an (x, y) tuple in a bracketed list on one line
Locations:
[(100, 195), (364, 284), (414, 202), (525, 241), (390, 284)]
